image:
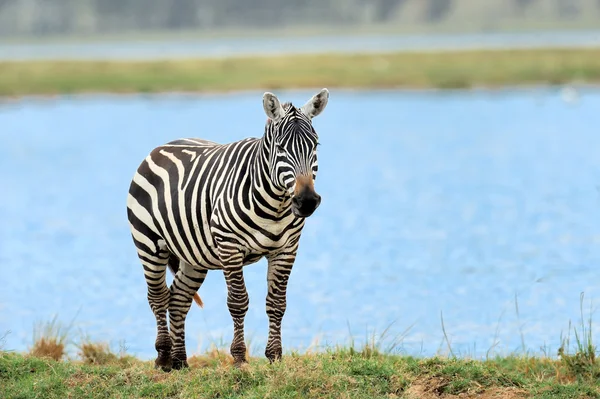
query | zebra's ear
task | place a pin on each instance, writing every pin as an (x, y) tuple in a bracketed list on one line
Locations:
[(272, 106), (316, 104)]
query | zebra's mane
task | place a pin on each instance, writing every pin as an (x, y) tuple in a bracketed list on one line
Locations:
[(287, 105)]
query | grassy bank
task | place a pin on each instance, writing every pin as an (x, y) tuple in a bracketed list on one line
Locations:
[(340, 373), (95, 371), (459, 69)]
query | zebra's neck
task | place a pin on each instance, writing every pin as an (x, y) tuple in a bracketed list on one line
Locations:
[(264, 192)]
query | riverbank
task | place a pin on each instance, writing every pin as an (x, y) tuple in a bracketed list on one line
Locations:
[(340, 373), (96, 371), (418, 70)]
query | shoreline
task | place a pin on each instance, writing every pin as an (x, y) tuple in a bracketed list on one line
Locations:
[(475, 70), (337, 373), (491, 90)]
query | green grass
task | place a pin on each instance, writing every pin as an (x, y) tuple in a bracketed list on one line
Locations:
[(337, 373), (342, 372), (369, 371), (443, 70)]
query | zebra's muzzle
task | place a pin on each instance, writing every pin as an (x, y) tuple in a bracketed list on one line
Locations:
[(305, 203)]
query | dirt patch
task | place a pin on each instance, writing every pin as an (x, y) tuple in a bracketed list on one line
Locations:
[(432, 388), (78, 379)]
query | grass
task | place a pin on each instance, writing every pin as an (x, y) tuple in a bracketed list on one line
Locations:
[(583, 361), (335, 373), (442, 70), (343, 372), (49, 340), (367, 371)]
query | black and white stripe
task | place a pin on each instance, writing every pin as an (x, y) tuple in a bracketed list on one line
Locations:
[(195, 205)]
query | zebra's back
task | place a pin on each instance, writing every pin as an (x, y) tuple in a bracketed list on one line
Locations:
[(175, 190)]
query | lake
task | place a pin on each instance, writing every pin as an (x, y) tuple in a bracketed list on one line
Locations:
[(450, 205)]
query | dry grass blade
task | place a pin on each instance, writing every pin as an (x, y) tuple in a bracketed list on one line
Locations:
[(96, 353)]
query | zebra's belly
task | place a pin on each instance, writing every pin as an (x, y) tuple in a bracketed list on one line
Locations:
[(252, 258), (259, 238), (195, 247), (204, 253)]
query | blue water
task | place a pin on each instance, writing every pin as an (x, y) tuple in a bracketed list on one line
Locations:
[(252, 46), (455, 205)]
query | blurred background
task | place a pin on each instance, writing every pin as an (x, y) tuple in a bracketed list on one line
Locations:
[(90, 17), (461, 189)]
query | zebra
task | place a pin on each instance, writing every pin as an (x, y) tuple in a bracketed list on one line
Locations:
[(195, 205)]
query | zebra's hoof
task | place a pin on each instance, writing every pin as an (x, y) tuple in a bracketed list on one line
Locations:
[(273, 355), (274, 359), (240, 363), (164, 364), (179, 364)]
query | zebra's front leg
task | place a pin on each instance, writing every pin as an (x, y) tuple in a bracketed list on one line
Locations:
[(237, 302), (185, 284), (279, 269)]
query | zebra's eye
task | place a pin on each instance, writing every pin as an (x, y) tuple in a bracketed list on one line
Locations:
[(279, 147)]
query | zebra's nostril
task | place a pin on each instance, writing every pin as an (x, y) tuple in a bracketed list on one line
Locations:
[(309, 203), (296, 202)]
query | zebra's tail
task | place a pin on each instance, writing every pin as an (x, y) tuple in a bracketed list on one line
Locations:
[(174, 267), (198, 300)]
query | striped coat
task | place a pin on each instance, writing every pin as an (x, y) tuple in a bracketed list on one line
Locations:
[(195, 205)]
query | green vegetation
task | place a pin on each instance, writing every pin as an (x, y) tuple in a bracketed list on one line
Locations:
[(335, 373), (338, 373), (346, 372), (444, 70)]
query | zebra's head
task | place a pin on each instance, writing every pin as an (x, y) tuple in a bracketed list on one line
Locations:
[(292, 144)]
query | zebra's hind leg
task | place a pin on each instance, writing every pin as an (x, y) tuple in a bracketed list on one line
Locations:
[(186, 282), (155, 267)]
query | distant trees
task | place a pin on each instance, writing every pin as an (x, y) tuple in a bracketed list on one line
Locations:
[(522, 5), (568, 8), (182, 14), (437, 10), (384, 9), (43, 17), (5, 2), (562, 8)]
